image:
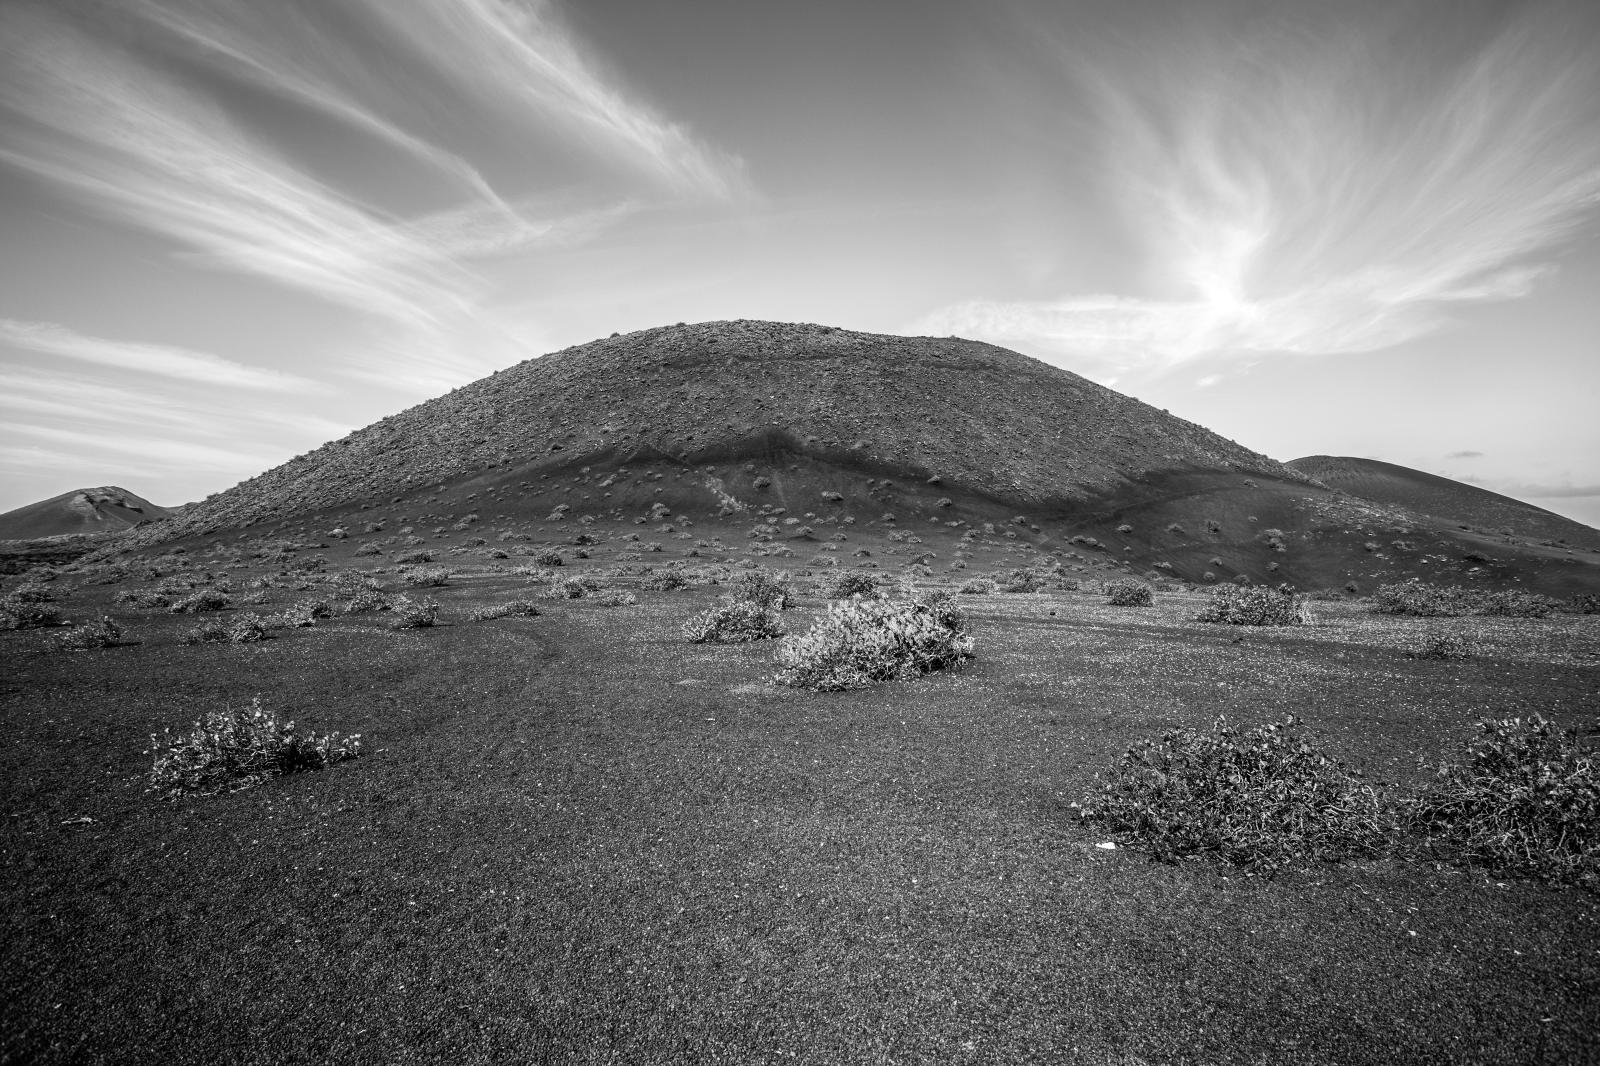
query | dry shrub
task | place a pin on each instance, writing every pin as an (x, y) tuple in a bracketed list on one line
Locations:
[(232, 749), (864, 641), (1254, 605), (733, 622)]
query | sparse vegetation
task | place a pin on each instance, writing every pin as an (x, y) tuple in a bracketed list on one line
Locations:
[(1525, 799), (101, 633), (232, 749), (1129, 594), (1416, 597), (862, 641), (733, 622), (851, 583), (425, 576), (407, 613), (509, 609), (1264, 798), (1254, 605)]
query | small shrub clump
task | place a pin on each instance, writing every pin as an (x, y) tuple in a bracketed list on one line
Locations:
[(104, 633), (1130, 594), (764, 589), (1264, 799), (21, 614), (733, 622), (233, 749), (425, 576), (199, 601), (1254, 605), (665, 581), (978, 586), (616, 598), (1022, 579), (408, 613), (851, 583), (512, 609), (1443, 646), (575, 588), (1526, 799), (863, 641)]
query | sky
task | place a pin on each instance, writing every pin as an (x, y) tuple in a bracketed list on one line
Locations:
[(231, 231)]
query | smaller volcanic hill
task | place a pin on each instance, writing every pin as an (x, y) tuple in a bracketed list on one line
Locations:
[(107, 509), (1465, 506)]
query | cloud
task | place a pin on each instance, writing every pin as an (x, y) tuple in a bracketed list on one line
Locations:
[(163, 360), (518, 58), (172, 453), (1465, 455), (1318, 189), (1565, 491)]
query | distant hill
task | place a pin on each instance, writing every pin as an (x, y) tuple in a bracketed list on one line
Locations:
[(96, 510), (1441, 497), (854, 443)]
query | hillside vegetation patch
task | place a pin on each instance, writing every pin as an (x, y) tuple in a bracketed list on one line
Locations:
[(864, 641)]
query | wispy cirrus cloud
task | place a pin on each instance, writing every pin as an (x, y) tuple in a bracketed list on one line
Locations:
[(167, 361), (1321, 192), (518, 58)]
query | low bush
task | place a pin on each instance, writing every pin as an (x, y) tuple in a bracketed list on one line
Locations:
[(31, 592), (733, 622), (1515, 604), (1526, 799), (548, 558), (232, 749), (615, 598), (244, 629), (1022, 579), (1254, 605), (1583, 603), (425, 576), (575, 588), (19, 614), (863, 641), (407, 613), (666, 581), (1417, 597), (304, 613), (850, 583), (978, 586), (104, 633), (1130, 594), (1444, 646), (364, 600), (142, 599), (1264, 799), (764, 589), (511, 609), (199, 601)]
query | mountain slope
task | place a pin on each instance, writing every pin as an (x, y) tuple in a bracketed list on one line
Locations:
[(979, 417), (95, 510), (1443, 498)]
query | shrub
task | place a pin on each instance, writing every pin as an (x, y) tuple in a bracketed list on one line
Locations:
[(978, 586), (666, 581), (199, 601), (369, 549), (1263, 799), (733, 622), (141, 598), (104, 633), (574, 588), (1416, 597), (1440, 646), (512, 609), (851, 583), (1514, 604), (764, 589), (304, 613), (862, 641), (548, 558), (229, 750), (412, 558), (207, 632), (413, 614), (1254, 605), (1583, 603), (616, 598), (1526, 799), (368, 599), (425, 576), (247, 629), (1129, 594), (31, 592), (1022, 579), (16, 614)]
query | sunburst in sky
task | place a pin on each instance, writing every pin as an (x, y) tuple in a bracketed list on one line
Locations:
[(230, 231)]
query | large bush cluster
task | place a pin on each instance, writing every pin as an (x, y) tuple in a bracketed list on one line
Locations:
[(231, 749), (1254, 605), (863, 641), (733, 622), (1263, 798), (1129, 594), (1417, 597), (1526, 798)]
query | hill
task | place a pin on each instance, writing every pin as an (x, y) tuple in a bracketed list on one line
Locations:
[(81, 511), (1443, 498), (781, 435)]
